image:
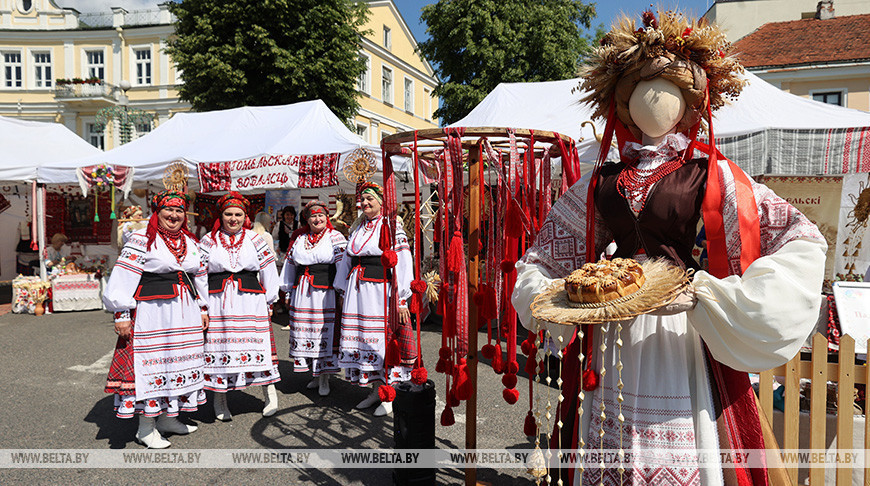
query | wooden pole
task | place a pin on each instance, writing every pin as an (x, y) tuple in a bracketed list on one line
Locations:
[(473, 267)]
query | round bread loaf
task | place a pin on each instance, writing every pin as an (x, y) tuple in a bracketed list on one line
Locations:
[(604, 281)]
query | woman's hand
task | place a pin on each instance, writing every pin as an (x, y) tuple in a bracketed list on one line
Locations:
[(204, 321), (683, 302), (122, 329), (404, 315)]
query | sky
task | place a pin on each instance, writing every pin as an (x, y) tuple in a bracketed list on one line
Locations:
[(606, 10)]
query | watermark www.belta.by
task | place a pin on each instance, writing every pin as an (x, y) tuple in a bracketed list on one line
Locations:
[(525, 458)]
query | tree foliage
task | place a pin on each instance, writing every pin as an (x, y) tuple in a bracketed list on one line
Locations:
[(268, 52), (476, 44)]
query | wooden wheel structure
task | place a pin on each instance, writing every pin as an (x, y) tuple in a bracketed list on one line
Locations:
[(515, 150)]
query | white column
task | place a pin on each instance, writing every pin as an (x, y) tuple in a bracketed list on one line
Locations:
[(39, 213)]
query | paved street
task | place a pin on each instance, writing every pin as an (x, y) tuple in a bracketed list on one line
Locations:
[(53, 370)]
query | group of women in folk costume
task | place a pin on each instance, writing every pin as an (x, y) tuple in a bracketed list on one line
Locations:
[(320, 264), (196, 315)]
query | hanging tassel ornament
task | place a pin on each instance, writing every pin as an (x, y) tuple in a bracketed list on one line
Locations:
[(497, 362), (389, 259), (386, 393), (530, 428), (112, 216), (463, 384), (447, 418), (455, 256), (393, 356), (97, 205), (419, 375)]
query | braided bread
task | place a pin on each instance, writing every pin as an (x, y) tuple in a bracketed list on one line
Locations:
[(604, 281)]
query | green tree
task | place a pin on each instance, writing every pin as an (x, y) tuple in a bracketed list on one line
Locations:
[(477, 44), (269, 52)]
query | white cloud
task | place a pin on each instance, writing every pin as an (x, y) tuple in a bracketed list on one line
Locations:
[(105, 6)]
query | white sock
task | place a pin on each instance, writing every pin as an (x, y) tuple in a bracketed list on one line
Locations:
[(323, 388), (373, 397), (385, 408), (271, 397), (221, 409), (166, 424), (148, 434)]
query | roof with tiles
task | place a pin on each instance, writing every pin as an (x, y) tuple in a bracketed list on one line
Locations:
[(807, 41)]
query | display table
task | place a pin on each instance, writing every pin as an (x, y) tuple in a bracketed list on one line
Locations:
[(75, 292)]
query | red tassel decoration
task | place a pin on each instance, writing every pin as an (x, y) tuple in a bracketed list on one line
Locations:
[(386, 241), (393, 357), (389, 259), (509, 380), (419, 375), (441, 366), (447, 418), (527, 347), (444, 352), (419, 286), (513, 224), (590, 380), (510, 396), (531, 364), (455, 255), (487, 351), (508, 266), (497, 362), (463, 384), (452, 401), (386, 393), (512, 367), (415, 305), (530, 428)]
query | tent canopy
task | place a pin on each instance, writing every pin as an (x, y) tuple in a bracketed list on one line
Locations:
[(551, 105), (26, 145), (306, 128)]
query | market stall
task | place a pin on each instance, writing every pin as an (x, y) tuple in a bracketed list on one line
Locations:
[(26, 146)]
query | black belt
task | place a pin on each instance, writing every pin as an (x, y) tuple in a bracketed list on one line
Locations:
[(371, 268), (154, 286), (247, 281), (322, 275)]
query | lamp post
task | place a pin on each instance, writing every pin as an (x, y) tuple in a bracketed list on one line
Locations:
[(125, 115)]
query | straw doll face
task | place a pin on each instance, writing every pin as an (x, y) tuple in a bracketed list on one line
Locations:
[(656, 107), (232, 219), (171, 218)]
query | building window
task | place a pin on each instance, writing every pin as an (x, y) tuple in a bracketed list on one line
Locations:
[(387, 85), (427, 95), (385, 134), (409, 95), (25, 6), (94, 137), (12, 69), (829, 97), (96, 64), (362, 131), (42, 70), (142, 129), (143, 66), (364, 77), (388, 38)]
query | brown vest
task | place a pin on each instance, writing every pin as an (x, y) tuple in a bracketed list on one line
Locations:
[(667, 226)]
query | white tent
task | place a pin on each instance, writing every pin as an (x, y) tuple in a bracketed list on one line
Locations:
[(764, 130), (306, 128), (26, 145)]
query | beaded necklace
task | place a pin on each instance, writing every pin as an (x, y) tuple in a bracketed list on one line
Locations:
[(175, 241), (368, 226), (311, 240), (233, 246), (634, 183)]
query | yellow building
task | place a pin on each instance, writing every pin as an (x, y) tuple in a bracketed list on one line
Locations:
[(57, 64), (396, 89)]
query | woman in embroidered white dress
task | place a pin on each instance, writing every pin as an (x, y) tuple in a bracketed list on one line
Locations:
[(360, 276), (158, 319), (307, 278), (683, 384), (241, 282)]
